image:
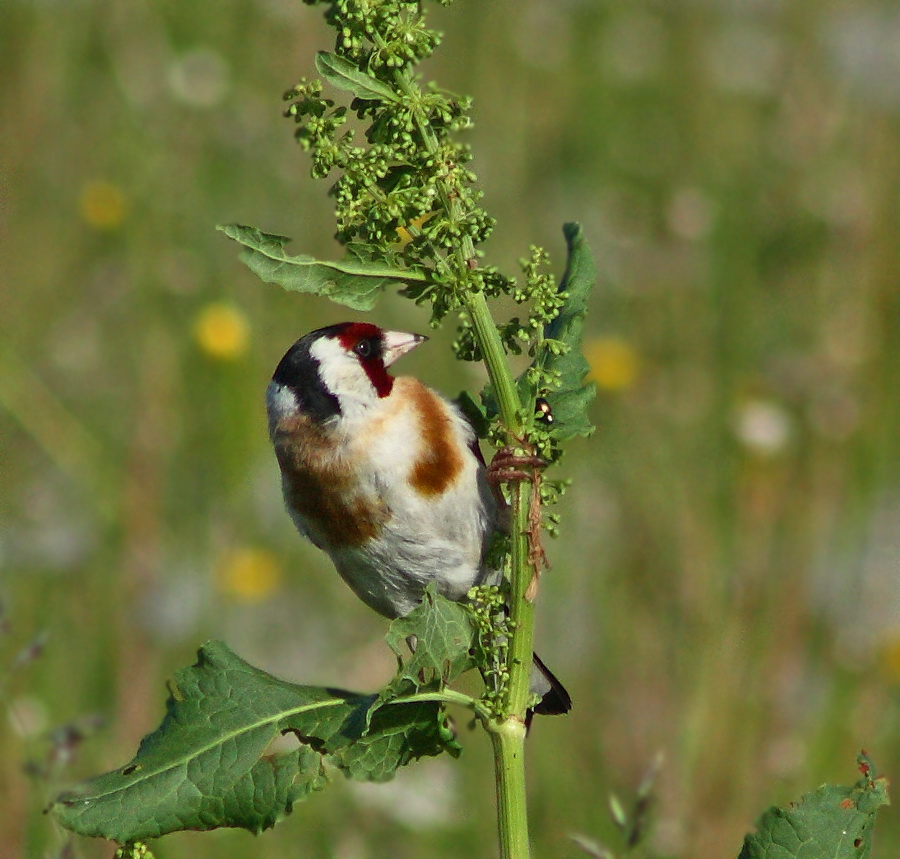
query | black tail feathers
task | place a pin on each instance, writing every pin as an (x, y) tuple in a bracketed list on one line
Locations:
[(555, 700)]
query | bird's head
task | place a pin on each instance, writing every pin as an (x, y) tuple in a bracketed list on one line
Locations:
[(338, 370)]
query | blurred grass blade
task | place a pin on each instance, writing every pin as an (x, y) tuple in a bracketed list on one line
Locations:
[(591, 847), (617, 811), (352, 282), (834, 821), (345, 75)]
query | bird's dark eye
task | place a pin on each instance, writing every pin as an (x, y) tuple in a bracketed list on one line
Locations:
[(365, 348)]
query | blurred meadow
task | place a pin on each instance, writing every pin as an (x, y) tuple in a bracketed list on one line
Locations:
[(726, 587)]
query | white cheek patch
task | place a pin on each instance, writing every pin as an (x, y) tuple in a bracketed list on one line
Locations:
[(343, 376)]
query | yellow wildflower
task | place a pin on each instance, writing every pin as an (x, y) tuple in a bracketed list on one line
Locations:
[(221, 331), (102, 205), (890, 659), (249, 574), (614, 363)]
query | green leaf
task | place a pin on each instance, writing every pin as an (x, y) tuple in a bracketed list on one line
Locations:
[(212, 763), (832, 823), (352, 282), (445, 641), (569, 401), (349, 77), (390, 735)]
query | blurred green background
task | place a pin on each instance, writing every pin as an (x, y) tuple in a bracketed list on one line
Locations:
[(726, 588)]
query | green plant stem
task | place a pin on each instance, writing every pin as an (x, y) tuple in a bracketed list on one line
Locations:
[(495, 360), (508, 732), (521, 609), (508, 739)]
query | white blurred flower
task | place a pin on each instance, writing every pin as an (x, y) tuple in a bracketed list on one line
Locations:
[(862, 44), (424, 797), (690, 214), (199, 77), (763, 426), (27, 716)]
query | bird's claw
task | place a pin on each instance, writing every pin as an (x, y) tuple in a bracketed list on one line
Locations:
[(508, 466)]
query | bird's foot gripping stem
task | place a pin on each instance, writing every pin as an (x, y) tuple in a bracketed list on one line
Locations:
[(509, 466)]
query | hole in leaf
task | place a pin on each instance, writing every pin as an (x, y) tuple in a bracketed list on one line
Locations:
[(281, 744)]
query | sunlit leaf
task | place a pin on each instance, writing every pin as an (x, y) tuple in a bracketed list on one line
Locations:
[(353, 282), (445, 638), (218, 758), (349, 77), (570, 400), (833, 822), (391, 736)]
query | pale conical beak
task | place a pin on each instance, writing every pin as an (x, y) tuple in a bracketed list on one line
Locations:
[(397, 343)]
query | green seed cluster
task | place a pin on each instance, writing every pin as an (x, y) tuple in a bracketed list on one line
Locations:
[(380, 33), (134, 850), (319, 122), (489, 609), (551, 492), (539, 291), (403, 190), (404, 193)]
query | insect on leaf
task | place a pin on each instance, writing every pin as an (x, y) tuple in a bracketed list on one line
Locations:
[(569, 401)]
